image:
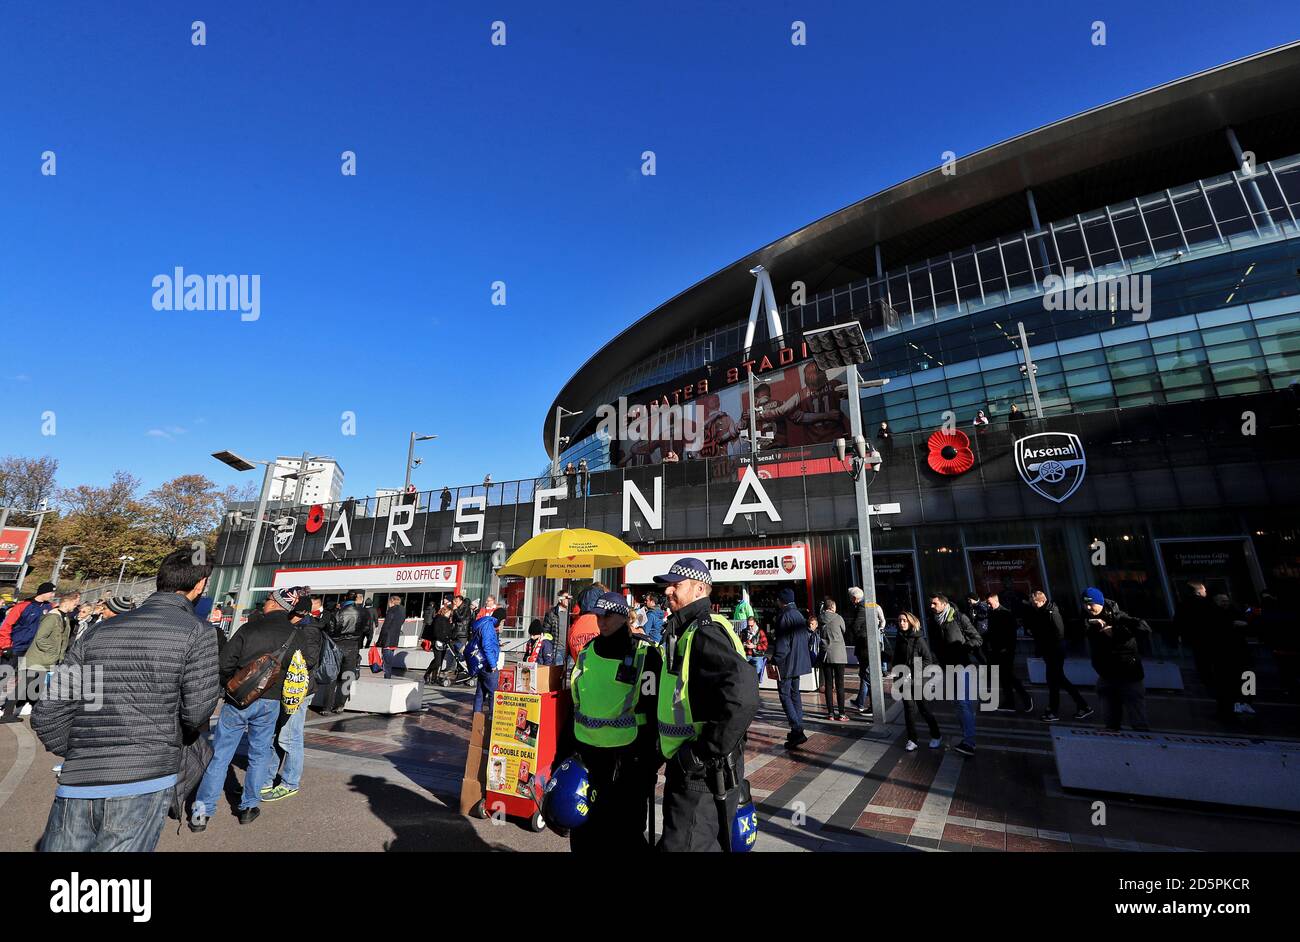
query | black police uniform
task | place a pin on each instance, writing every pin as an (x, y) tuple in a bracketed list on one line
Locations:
[(724, 697)]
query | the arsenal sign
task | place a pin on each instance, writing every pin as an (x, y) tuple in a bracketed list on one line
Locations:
[(754, 564)]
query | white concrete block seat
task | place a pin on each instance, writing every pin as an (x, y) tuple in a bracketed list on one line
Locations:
[(375, 694), (1229, 770), (411, 658)]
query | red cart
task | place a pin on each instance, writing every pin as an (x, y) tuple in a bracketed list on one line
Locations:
[(521, 742)]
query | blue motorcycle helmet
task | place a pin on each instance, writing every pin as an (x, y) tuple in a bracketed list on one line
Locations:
[(744, 826), (568, 795)]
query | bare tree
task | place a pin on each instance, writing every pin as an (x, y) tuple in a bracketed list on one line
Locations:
[(25, 482)]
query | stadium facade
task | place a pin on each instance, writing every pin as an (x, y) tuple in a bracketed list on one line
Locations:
[(1150, 253)]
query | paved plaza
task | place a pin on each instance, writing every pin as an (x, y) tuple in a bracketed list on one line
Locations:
[(392, 783)]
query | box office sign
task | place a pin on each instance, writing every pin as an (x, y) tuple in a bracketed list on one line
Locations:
[(756, 564), (411, 576)]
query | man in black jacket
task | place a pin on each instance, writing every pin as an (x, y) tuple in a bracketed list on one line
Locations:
[(706, 758), (293, 714), (462, 616), (121, 739), (344, 628), (1000, 639), (957, 644), (1199, 623), (859, 613), (1113, 641), (1042, 619), (270, 634), (391, 632)]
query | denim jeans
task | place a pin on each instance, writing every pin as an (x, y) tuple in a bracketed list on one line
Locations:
[(257, 720), (388, 662), (787, 689), (487, 686), (132, 823), (288, 746), (758, 663), (864, 685), (965, 706)]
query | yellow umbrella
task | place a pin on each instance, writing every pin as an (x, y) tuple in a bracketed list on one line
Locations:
[(568, 554)]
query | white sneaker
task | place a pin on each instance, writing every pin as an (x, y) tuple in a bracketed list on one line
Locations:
[(911, 746), (936, 743), (26, 710)]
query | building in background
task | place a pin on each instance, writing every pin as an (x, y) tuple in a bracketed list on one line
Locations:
[(1150, 249), (323, 487)]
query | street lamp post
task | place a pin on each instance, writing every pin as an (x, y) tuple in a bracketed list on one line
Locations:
[(122, 571), (560, 413), (39, 514), (250, 550), (411, 460), (58, 566), (1030, 370), (844, 345)]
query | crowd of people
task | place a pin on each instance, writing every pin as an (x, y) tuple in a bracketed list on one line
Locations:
[(165, 667)]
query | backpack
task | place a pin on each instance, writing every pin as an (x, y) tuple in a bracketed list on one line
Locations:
[(475, 660), (331, 661), (24, 620), (815, 648), (253, 679)]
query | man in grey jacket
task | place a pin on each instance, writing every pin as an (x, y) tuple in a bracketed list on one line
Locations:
[(116, 710)]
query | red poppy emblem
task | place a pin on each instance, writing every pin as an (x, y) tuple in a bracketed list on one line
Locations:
[(315, 518), (950, 452)]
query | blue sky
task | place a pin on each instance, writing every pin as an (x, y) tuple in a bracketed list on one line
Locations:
[(475, 163)]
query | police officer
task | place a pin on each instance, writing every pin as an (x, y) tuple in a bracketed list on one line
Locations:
[(614, 731), (708, 695)]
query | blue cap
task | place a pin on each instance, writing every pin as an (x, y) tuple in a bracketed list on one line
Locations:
[(1094, 596), (688, 567), (786, 596), (611, 603)]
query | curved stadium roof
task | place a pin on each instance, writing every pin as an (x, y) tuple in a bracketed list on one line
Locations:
[(1170, 134)]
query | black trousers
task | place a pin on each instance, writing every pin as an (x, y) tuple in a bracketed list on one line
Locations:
[(338, 691), (690, 815), (1057, 681), (618, 817), (1010, 683), (910, 709), (834, 674)]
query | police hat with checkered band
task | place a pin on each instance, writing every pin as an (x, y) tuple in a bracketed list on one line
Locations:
[(611, 603), (688, 567)]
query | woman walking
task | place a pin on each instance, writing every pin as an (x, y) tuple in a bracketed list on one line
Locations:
[(911, 651)]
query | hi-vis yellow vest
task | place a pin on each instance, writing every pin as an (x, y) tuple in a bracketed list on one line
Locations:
[(604, 707), (676, 723)]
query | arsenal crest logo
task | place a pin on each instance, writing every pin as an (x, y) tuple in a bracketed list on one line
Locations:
[(1051, 463), (284, 534), (787, 563)]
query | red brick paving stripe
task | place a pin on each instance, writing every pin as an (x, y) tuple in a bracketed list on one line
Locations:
[(978, 837), (1017, 842), (870, 821), (909, 781), (775, 774)]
